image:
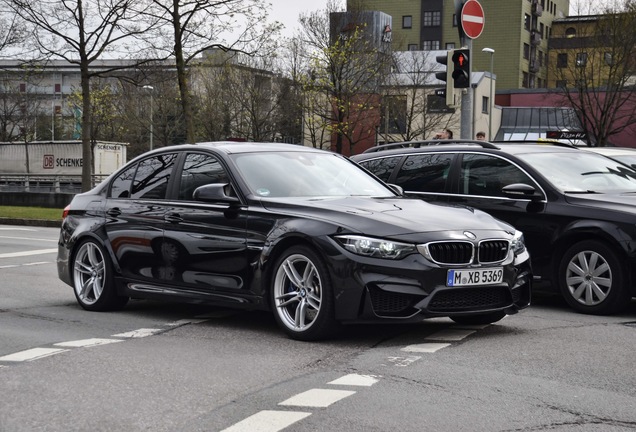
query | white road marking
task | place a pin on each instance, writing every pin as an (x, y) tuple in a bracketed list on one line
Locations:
[(355, 380), (31, 354), (36, 263), (268, 421), (425, 347), (450, 334), (403, 361), (139, 333), (185, 322), (29, 238), (16, 229), (28, 253), (9, 266), (87, 342), (317, 398)]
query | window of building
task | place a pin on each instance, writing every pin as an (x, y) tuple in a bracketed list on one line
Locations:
[(450, 46), (22, 87), (58, 109), (58, 88), (541, 30), (394, 114), (485, 104), (430, 45), (526, 51), (526, 22), (413, 47), (407, 21), (561, 84), (541, 58), (531, 81), (570, 32), (524, 83), (609, 59), (581, 59), (562, 60), (432, 19)]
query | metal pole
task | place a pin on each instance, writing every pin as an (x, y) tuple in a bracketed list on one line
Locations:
[(152, 119), (467, 100), (492, 98)]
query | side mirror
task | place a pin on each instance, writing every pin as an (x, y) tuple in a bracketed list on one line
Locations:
[(215, 193), (523, 191), (397, 189)]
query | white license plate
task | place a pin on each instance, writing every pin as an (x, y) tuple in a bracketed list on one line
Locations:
[(474, 277)]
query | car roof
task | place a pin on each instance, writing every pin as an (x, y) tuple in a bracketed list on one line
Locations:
[(612, 151), (232, 147)]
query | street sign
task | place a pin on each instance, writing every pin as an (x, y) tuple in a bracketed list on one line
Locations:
[(472, 19)]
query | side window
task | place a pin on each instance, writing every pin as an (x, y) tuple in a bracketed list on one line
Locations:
[(382, 167), (120, 187), (199, 170), (153, 175), (425, 172), (487, 175)]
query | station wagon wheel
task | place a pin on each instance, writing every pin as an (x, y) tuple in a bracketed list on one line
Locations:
[(93, 279), (592, 280), (302, 296)]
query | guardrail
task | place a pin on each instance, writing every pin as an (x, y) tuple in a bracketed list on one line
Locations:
[(52, 183)]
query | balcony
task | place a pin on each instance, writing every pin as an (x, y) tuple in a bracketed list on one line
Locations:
[(537, 9), (535, 37)]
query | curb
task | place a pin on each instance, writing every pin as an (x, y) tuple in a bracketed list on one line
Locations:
[(31, 222)]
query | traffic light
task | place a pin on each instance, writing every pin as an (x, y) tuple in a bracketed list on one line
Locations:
[(446, 75), (461, 68)]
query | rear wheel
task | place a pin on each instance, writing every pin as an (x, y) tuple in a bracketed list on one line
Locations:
[(481, 319), (302, 295), (93, 279), (592, 280)]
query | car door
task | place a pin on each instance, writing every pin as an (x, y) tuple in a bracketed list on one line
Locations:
[(135, 211), (479, 183), (204, 248)]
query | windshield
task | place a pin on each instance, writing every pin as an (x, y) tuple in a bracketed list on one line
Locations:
[(306, 174), (582, 172)]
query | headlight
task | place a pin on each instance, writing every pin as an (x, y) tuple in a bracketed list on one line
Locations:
[(376, 248), (518, 243)]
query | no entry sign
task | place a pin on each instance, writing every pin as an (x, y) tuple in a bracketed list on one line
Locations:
[(472, 19)]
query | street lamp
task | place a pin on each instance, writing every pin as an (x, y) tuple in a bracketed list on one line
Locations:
[(151, 88), (492, 100)]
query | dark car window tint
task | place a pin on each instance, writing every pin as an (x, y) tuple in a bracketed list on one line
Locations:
[(487, 175), (153, 174), (382, 167), (199, 170), (425, 172), (120, 187)]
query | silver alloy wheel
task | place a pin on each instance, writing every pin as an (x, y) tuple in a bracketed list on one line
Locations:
[(297, 292), (89, 273), (589, 278)]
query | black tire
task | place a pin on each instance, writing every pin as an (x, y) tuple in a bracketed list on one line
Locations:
[(592, 279), (480, 319), (301, 295), (93, 282)]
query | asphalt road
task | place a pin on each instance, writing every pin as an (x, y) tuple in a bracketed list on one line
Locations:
[(166, 367)]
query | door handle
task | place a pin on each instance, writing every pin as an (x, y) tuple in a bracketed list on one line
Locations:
[(115, 211), (173, 218)]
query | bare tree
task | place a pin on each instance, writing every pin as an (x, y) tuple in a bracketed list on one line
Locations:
[(81, 32), (410, 109), (594, 71), (347, 70), (191, 27)]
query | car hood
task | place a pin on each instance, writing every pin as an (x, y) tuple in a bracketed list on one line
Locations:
[(623, 202), (391, 216)]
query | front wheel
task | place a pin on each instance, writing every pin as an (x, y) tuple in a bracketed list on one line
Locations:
[(302, 296), (592, 279), (480, 319), (93, 279)]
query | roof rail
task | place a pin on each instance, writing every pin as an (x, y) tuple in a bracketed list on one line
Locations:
[(542, 141), (426, 143)]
